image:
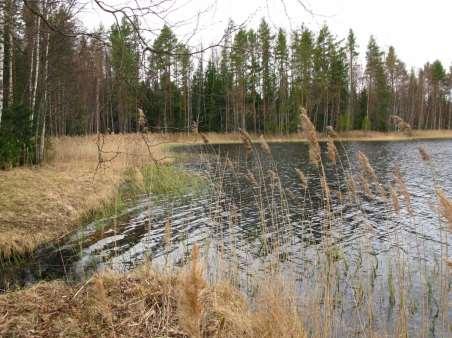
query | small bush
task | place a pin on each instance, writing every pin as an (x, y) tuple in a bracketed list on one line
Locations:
[(345, 122), (365, 124), (16, 137)]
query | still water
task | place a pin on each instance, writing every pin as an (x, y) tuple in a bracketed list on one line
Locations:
[(277, 207), (254, 210), (278, 204)]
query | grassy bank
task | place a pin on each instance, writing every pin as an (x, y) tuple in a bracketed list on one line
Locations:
[(338, 294), (81, 177)]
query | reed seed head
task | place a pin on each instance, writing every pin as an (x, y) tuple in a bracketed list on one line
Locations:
[(445, 206), (425, 156), (365, 166), (331, 132), (246, 139), (264, 145), (332, 151), (311, 135), (251, 178), (395, 200), (204, 138), (395, 119), (303, 178), (400, 182)]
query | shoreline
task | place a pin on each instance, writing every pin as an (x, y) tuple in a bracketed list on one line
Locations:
[(172, 301), (352, 136), (42, 204)]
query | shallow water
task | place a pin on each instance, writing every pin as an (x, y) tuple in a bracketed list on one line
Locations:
[(249, 221), (140, 231)]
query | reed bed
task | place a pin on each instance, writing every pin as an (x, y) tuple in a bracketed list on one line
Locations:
[(335, 293), (340, 291)]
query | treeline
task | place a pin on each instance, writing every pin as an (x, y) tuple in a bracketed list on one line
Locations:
[(57, 81)]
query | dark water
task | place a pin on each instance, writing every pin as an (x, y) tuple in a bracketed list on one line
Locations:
[(282, 207), (254, 209)]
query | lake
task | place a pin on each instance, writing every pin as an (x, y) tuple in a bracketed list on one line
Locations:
[(254, 213)]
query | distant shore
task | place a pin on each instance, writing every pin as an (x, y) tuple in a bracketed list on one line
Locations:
[(355, 135)]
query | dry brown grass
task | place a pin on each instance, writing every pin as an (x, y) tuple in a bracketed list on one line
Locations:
[(147, 303), (355, 135), (43, 203), (108, 305)]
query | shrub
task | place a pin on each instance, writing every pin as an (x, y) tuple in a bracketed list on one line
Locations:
[(345, 122), (16, 137), (365, 124)]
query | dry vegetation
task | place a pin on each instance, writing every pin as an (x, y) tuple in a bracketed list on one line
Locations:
[(147, 303), (47, 202), (41, 204)]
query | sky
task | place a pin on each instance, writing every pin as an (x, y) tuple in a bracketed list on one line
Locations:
[(420, 30)]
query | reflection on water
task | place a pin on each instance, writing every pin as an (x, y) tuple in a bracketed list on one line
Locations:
[(256, 208), (237, 208)]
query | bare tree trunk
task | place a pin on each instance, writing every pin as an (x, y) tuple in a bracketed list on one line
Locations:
[(97, 104), (2, 16), (35, 84), (45, 106), (10, 53), (30, 83), (10, 68)]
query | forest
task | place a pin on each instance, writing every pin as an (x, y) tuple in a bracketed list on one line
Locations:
[(59, 79), (277, 179)]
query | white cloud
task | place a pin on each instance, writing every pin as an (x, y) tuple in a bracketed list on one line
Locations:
[(420, 30)]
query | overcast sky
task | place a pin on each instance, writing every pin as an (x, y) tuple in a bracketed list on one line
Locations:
[(420, 30)]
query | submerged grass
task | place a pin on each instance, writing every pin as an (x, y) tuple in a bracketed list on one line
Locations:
[(158, 181)]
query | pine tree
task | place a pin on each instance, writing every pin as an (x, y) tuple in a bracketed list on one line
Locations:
[(352, 54), (185, 66), (124, 60), (267, 80), (302, 72), (253, 74), (438, 77), (338, 82), (165, 46), (281, 63), (2, 31), (378, 91), (239, 61)]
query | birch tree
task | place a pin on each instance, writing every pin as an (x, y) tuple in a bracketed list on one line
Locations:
[(37, 57), (2, 50)]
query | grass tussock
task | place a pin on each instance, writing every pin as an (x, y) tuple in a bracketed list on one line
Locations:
[(149, 303), (108, 305)]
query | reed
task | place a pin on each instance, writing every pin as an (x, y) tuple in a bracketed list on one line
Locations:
[(445, 206), (302, 177), (192, 286), (332, 292), (311, 135)]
